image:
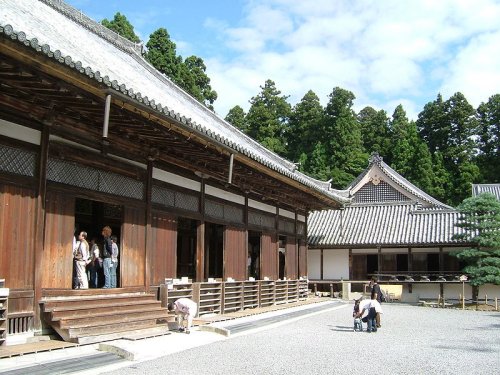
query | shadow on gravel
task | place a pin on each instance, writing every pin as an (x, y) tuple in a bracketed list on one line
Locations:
[(466, 349), (341, 328)]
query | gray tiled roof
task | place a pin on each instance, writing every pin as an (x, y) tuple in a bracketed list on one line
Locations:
[(382, 224), (486, 188), (60, 32), (419, 221)]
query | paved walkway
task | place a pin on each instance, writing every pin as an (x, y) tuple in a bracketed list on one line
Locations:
[(99, 358)]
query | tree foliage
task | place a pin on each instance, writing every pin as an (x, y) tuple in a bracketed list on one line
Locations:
[(268, 118), (346, 154), (480, 222), (120, 25), (237, 117)]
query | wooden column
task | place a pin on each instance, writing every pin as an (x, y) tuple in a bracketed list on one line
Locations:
[(40, 224), (410, 268), (379, 259), (351, 273), (321, 265), (148, 244), (200, 237), (200, 252)]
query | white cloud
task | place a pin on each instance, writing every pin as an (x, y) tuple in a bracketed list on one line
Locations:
[(385, 52)]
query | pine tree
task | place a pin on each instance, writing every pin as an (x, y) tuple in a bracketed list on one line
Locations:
[(237, 117), (480, 222), (305, 130), (121, 26), (375, 131), (347, 156), (268, 117), (488, 115)]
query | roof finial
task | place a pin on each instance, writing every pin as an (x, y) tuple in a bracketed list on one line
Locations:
[(375, 158)]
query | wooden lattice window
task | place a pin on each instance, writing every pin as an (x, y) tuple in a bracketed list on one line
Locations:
[(18, 161), (261, 220), (82, 176), (382, 192), (172, 198)]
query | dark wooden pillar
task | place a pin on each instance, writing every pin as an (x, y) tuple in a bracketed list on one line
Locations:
[(351, 273), (148, 243), (40, 224), (200, 237), (410, 269), (321, 264)]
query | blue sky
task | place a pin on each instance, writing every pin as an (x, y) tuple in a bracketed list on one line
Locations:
[(387, 52)]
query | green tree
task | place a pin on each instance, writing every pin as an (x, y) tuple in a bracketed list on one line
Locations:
[(237, 117), (488, 116), (268, 117), (347, 156), (195, 81), (120, 25), (410, 156), (432, 125), (189, 74), (305, 130), (375, 131), (441, 178), (450, 127), (162, 54), (480, 222)]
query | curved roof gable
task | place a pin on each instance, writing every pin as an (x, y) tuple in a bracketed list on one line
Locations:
[(379, 183)]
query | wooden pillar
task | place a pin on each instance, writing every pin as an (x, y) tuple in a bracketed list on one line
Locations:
[(147, 254), (200, 238), (40, 224), (321, 265), (200, 252), (379, 259), (351, 273), (410, 269), (441, 259)]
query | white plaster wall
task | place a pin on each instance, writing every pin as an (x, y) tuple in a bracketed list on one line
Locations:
[(336, 264), (314, 264)]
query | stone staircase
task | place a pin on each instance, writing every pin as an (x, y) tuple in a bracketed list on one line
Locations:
[(96, 315)]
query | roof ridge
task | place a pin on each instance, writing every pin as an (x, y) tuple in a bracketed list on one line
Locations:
[(92, 25)]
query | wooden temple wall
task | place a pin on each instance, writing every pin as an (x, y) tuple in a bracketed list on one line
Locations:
[(37, 222), (235, 253)]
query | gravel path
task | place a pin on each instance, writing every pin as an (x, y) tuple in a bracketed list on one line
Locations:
[(412, 340)]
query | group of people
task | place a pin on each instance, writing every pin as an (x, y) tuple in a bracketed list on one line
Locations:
[(368, 311), (93, 267)]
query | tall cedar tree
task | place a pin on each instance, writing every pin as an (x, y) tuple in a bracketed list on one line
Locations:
[(410, 156), (120, 25), (189, 74), (480, 222), (196, 82), (460, 154), (305, 130), (237, 117), (347, 156), (162, 54), (488, 115), (375, 132), (449, 127), (268, 118)]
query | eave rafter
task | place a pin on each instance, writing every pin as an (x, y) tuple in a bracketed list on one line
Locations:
[(77, 114)]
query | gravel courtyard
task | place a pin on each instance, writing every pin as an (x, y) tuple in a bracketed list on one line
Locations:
[(412, 340)]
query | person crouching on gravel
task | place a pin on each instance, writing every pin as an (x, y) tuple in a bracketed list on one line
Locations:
[(185, 310)]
